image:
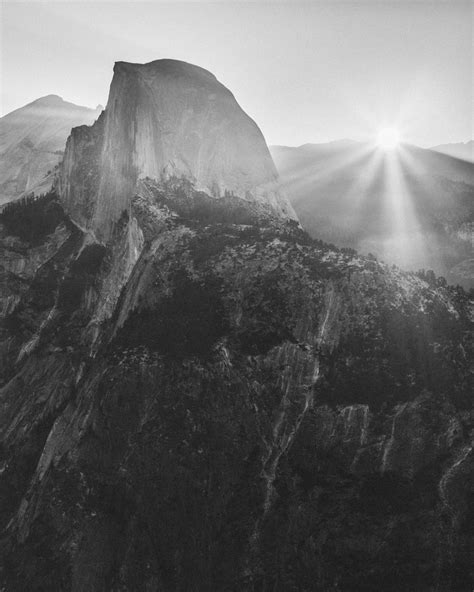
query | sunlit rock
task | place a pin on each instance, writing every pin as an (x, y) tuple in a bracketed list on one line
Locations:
[(166, 119)]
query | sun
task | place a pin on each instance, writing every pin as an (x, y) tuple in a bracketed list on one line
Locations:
[(388, 138)]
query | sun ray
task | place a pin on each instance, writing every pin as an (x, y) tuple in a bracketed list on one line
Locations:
[(329, 167), (405, 245)]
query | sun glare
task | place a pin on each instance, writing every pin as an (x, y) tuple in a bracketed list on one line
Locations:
[(388, 138)]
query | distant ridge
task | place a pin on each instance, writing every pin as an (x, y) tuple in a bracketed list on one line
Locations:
[(462, 150), (32, 140), (342, 194)]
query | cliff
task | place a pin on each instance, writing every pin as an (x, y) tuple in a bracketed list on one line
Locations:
[(209, 399), (166, 119), (206, 405)]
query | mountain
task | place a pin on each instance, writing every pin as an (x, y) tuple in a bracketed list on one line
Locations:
[(166, 119), (413, 207), (196, 395), (461, 150), (32, 141)]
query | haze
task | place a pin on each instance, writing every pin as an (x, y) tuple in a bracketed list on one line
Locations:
[(306, 72)]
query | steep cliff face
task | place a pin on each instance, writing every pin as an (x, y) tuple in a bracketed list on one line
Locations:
[(209, 399), (252, 410), (32, 141), (167, 119)]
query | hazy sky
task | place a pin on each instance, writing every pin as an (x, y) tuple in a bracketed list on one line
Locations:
[(306, 72)]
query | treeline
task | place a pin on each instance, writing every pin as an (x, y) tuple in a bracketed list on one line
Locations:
[(435, 281), (429, 276), (32, 218)]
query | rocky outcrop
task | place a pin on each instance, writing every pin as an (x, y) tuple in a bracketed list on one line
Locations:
[(166, 119), (196, 395), (231, 406), (32, 141), (20, 262)]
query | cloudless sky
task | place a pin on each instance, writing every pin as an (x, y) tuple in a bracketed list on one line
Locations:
[(306, 72)]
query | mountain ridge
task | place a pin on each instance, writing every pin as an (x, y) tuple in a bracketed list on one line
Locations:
[(463, 150), (167, 118), (206, 398), (355, 195), (52, 99), (32, 141)]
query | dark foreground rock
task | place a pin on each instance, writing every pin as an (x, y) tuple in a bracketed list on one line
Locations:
[(223, 406)]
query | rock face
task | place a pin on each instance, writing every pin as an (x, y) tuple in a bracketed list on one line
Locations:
[(166, 119), (219, 406), (212, 400), (32, 141)]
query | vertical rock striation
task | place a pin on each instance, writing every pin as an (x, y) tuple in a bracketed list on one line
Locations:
[(211, 400), (166, 119)]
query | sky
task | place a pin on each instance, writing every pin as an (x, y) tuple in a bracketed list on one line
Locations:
[(306, 72)]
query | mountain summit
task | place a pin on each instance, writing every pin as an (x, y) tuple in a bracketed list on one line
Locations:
[(32, 140), (166, 119)]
